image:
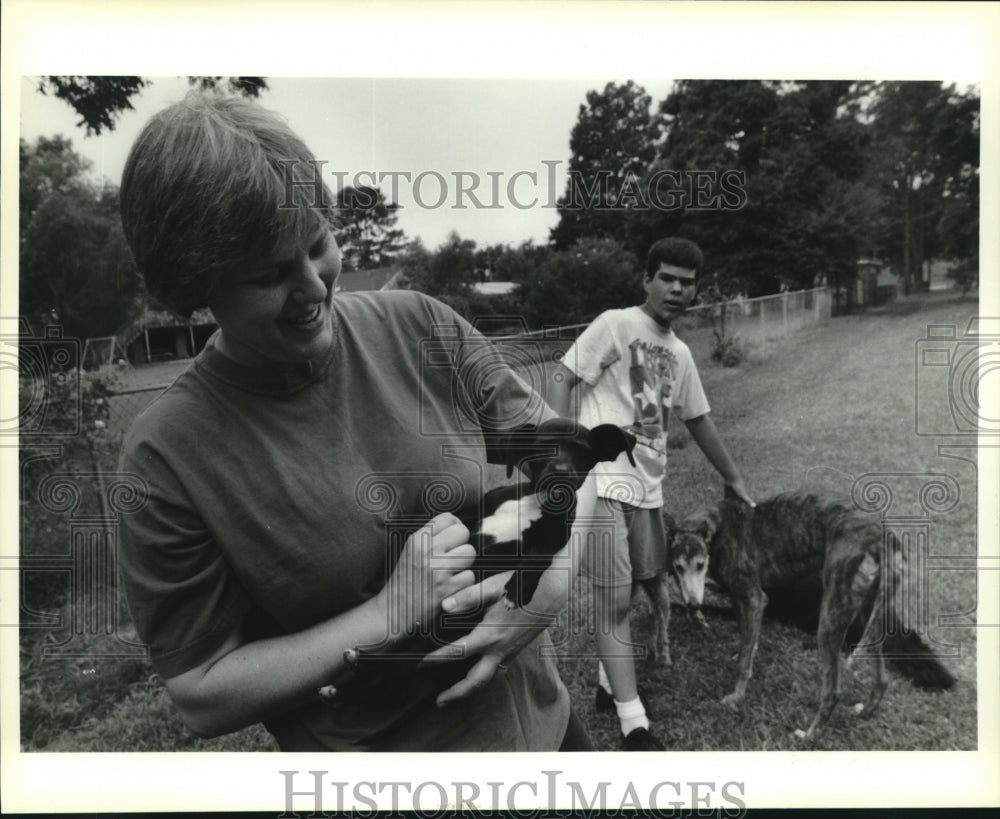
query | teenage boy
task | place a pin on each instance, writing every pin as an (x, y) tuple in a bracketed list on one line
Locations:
[(635, 371)]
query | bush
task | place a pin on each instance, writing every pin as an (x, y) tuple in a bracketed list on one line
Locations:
[(729, 351)]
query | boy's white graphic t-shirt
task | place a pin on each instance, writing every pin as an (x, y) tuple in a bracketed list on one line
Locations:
[(635, 373)]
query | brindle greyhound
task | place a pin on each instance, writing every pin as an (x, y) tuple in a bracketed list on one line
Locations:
[(789, 545)]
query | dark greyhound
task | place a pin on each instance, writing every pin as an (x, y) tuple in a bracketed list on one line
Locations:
[(820, 554)]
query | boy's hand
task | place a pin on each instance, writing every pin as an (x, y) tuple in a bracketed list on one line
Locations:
[(737, 489)]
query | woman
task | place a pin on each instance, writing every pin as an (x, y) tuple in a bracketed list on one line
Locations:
[(301, 473)]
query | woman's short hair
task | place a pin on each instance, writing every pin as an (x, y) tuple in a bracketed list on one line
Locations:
[(212, 183), (674, 251)]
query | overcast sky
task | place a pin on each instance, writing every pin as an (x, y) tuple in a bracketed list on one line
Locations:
[(503, 144)]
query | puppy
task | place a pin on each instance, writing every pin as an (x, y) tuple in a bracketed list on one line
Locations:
[(521, 528)]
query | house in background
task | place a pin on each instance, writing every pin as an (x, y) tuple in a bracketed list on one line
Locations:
[(494, 288), (159, 335), (876, 283)]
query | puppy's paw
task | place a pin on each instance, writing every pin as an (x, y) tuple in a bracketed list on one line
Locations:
[(351, 656), (858, 708), (327, 693), (798, 733)]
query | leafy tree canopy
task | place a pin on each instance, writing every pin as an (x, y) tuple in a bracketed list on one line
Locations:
[(99, 100), (781, 182), (75, 268), (366, 229)]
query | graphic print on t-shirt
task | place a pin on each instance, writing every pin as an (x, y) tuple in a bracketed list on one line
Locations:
[(652, 369)]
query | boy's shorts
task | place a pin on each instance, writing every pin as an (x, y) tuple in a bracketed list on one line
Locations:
[(623, 544)]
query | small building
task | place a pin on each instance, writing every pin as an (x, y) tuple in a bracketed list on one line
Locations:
[(494, 288), (159, 335), (873, 285)]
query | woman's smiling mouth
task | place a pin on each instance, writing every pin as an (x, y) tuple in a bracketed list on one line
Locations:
[(307, 319)]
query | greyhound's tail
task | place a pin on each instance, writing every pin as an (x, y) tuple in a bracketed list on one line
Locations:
[(912, 658), (901, 644)]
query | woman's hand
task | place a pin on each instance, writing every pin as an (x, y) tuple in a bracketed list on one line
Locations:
[(244, 682), (503, 632), (433, 566)]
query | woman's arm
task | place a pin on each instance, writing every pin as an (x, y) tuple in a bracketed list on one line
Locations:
[(243, 683)]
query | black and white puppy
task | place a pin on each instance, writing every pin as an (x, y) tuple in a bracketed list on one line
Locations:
[(520, 527), (524, 525)]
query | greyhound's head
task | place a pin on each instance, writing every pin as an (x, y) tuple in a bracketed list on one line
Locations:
[(689, 554), (559, 454)]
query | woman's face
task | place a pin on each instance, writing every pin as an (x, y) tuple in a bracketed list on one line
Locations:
[(278, 311)]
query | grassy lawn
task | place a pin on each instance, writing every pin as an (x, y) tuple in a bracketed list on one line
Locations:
[(830, 405)]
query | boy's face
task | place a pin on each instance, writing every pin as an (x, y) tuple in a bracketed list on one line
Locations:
[(669, 291), (278, 311)]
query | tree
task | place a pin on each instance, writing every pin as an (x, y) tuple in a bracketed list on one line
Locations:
[(957, 139), (927, 168), (99, 100), (450, 272), (903, 170), (611, 147), (793, 156), (447, 272), (75, 268), (572, 286), (502, 263), (50, 166), (367, 230)]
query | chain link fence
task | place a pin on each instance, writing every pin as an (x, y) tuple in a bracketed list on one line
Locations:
[(753, 323)]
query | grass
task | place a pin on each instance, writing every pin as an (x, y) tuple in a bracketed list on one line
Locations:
[(817, 412), (829, 407)]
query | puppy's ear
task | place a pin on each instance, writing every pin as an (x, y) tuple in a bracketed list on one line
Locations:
[(608, 441), (510, 445)]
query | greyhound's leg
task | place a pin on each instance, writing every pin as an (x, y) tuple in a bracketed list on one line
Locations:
[(880, 683), (836, 612), (750, 609), (829, 645), (659, 595)]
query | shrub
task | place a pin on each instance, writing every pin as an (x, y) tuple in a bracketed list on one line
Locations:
[(729, 351)]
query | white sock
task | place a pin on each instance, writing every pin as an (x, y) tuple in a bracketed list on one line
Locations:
[(602, 678), (632, 715)]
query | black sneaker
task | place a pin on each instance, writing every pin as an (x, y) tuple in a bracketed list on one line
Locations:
[(641, 740), (603, 701)]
